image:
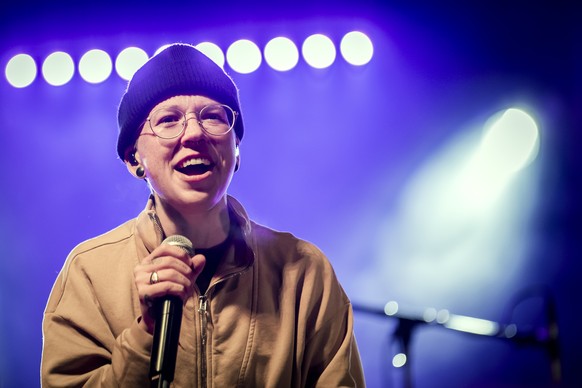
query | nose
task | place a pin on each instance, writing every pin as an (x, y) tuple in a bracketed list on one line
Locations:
[(193, 129)]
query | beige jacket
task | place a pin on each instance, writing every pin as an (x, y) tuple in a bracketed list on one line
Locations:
[(276, 316)]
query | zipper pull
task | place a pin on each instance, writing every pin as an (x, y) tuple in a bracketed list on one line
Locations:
[(202, 304), (203, 313)]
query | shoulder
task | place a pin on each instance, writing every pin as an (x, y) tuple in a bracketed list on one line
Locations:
[(287, 254), (275, 243), (112, 239), (99, 251), (281, 253), (286, 244)]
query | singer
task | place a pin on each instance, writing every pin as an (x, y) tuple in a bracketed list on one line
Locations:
[(257, 307)]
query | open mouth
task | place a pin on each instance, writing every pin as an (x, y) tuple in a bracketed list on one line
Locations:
[(195, 166)]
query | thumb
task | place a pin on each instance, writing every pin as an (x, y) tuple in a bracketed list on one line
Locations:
[(197, 263)]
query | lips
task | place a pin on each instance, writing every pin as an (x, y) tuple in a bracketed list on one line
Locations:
[(195, 166)]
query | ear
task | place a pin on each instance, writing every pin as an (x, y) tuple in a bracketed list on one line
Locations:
[(132, 161), (237, 158)]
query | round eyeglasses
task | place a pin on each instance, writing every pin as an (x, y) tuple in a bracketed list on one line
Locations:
[(214, 119)]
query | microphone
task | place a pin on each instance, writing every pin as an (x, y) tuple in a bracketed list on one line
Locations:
[(168, 316)]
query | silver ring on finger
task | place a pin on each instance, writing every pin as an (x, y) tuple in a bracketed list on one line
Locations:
[(154, 278)]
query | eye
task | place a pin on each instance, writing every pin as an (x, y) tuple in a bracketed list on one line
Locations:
[(214, 115), (166, 118)]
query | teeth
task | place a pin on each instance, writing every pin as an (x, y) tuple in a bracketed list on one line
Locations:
[(195, 161)]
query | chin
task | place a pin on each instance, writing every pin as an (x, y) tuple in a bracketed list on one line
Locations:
[(201, 201)]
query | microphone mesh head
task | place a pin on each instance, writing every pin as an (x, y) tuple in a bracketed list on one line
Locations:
[(180, 241)]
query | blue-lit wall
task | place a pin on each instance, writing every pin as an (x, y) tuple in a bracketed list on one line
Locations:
[(333, 155)]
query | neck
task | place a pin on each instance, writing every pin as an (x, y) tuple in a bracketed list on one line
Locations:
[(205, 228)]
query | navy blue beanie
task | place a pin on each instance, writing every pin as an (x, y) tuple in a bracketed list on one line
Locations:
[(180, 69)]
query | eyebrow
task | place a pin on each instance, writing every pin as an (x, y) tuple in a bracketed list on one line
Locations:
[(197, 107), (173, 106)]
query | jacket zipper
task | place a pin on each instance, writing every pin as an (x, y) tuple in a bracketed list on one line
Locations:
[(157, 225), (203, 328)]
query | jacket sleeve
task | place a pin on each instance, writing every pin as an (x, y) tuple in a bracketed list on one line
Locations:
[(331, 357), (332, 354), (80, 348)]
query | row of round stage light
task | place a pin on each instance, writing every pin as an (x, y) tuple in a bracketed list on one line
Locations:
[(243, 56)]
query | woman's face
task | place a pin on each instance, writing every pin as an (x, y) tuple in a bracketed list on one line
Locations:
[(193, 170)]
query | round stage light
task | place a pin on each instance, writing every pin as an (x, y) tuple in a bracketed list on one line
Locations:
[(399, 360), (356, 48), (318, 51), (161, 49), (95, 66), (281, 54), (129, 60), (212, 51), (58, 68), (510, 142), (20, 70), (243, 56)]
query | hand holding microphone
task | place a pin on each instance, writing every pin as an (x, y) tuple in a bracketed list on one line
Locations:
[(170, 270)]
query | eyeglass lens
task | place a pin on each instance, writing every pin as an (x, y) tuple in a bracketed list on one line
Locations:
[(170, 122)]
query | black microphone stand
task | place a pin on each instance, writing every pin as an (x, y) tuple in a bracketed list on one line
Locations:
[(403, 334)]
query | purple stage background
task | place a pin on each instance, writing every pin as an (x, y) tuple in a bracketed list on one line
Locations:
[(358, 160)]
